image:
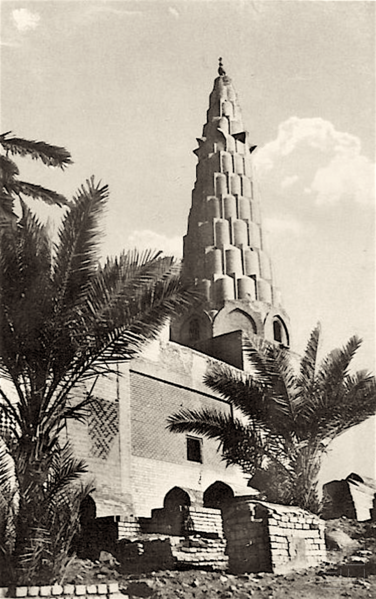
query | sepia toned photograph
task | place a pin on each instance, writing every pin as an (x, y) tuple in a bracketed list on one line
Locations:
[(187, 299)]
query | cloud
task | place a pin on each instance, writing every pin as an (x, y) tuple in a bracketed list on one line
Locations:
[(347, 173), (289, 181), (282, 225), (146, 239), (174, 12), (24, 19), (345, 177)]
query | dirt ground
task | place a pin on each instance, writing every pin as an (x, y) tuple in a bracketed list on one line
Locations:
[(346, 573)]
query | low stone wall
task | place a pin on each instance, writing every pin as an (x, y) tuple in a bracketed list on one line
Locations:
[(198, 552), (128, 528), (169, 553), (272, 538), (204, 521), (184, 520), (93, 591), (247, 539)]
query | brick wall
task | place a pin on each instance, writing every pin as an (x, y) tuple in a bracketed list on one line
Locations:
[(160, 387), (272, 538), (204, 521), (97, 441), (153, 400), (167, 553), (184, 520), (132, 457), (128, 528)]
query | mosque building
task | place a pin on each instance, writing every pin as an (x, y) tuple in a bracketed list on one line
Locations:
[(134, 459)]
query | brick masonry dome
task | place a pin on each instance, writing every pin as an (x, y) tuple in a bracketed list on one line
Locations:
[(224, 253)]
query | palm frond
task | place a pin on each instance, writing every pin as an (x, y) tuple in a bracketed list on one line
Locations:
[(239, 389), (8, 170), (50, 155), (119, 323), (64, 471), (24, 271), (269, 402), (8, 480), (244, 444), (357, 404), (37, 192), (208, 423), (309, 359), (335, 366), (76, 255), (260, 353), (283, 386)]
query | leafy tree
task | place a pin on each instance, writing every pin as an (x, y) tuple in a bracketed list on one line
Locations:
[(12, 188), (287, 414), (65, 319)]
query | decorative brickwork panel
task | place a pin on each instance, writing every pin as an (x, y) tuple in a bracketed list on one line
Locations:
[(97, 441), (103, 424)]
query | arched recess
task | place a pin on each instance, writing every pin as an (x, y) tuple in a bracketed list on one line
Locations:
[(218, 495), (88, 509), (236, 320), (86, 542), (176, 498), (194, 329)]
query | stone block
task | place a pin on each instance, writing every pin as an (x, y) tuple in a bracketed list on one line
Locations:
[(113, 587), (20, 591), (32, 592), (45, 591), (3, 592), (80, 589), (68, 589), (57, 589), (91, 589)]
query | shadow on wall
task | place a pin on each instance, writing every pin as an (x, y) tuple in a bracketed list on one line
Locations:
[(95, 534)]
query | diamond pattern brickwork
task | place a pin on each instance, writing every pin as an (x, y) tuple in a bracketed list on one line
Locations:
[(103, 425)]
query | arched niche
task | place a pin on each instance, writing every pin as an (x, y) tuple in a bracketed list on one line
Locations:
[(176, 498), (235, 320), (86, 543), (88, 510), (218, 495), (195, 328)]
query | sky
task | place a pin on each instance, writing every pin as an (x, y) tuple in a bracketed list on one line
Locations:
[(125, 85)]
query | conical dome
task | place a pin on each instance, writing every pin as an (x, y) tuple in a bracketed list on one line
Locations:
[(223, 249)]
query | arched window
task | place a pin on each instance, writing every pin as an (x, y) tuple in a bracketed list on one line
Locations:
[(277, 331), (280, 332)]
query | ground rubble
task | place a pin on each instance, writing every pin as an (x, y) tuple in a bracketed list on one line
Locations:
[(348, 572)]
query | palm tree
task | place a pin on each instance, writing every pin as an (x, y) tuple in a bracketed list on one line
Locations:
[(12, 188), (66, 319), (288, 414)]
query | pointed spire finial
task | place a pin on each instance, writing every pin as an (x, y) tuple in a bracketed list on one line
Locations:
[(221, 70)]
